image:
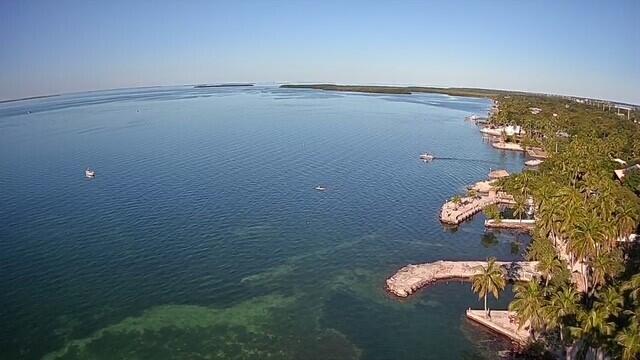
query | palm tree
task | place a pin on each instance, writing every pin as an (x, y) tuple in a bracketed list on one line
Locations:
[(544, 201), (547, 266), (528, 305), (585, 241), (594, 328), (520, 207), (540, 247), (604, 266), (492, 212), (563, 303), (456, 200), (629, 340), (610, 300), (627, 220), (489, 280), (633, 286)]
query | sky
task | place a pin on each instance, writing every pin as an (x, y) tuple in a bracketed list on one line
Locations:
[(582, 48)]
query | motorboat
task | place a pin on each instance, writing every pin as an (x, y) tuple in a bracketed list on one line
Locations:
[(426, 157), (320, 188), (88, 173), (533, 162)]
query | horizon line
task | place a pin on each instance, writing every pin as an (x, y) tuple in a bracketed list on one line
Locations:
[(278, 83)]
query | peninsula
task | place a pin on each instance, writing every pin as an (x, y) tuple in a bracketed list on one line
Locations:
[(582, 265), (404, 90)]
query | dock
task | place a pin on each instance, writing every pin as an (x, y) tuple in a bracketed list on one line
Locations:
[(512, 224), (503, 322), (507, 146), (411, 278), (453, 213), (537, 153)]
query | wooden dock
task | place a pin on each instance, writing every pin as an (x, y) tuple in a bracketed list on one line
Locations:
[(411, 278)]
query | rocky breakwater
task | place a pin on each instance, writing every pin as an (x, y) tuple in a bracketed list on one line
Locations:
[(411, 278)]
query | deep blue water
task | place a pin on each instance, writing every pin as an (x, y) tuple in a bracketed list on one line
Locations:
[(202, 234)]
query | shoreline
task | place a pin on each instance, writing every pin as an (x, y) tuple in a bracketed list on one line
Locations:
[(412, 278), (407, 90)]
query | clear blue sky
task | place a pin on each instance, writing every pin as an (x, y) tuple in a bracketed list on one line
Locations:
[(586, 48)]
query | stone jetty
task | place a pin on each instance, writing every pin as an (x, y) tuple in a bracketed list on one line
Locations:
[(453, 213), (413, 277)]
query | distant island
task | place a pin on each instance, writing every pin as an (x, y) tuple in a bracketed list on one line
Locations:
[(406, 90), (28, 98), (221, 85)]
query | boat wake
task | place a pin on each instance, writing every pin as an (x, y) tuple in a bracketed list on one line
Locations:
[(465, 159)]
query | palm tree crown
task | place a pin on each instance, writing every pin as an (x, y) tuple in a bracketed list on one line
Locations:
[(490, 280)]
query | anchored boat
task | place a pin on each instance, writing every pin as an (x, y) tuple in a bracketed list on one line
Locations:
[(88, 173), (320, 188)]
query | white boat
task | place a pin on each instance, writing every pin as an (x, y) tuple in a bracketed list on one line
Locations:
[(426, 157), (533, 162), (320, 188), (88, 173)]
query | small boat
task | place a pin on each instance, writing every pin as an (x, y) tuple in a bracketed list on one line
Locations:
[(320, 188), (533, 162), (88, 173), (426, 157)]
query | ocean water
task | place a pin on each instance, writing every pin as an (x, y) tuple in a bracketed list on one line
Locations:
[(202, 236)]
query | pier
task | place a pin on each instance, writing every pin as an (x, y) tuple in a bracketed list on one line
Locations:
[(453, 213), (411, 278), (512, 224)]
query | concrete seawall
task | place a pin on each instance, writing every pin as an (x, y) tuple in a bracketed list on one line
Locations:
[(502, 322)]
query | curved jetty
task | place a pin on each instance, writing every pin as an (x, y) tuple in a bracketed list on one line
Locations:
[(413, 277)]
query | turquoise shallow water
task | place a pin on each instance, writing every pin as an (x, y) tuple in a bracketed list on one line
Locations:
[(202, 235)]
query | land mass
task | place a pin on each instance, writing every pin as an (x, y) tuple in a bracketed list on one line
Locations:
[(407, 90), (220, 85), (28, 98)]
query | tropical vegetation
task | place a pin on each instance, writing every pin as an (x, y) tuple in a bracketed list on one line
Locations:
[(587, 299)]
